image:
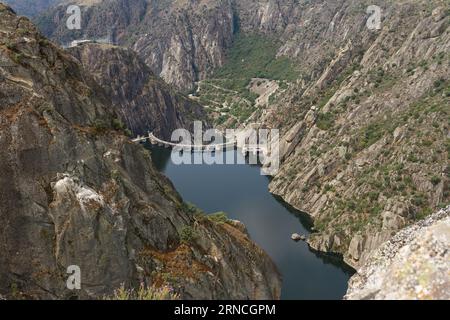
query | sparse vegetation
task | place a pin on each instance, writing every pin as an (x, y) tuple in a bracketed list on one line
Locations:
[(144, 293), (254, 56), (227, 93), (219, 217), (100, 126), (118, 125), (435, 180), (188, 234), (325, 121)]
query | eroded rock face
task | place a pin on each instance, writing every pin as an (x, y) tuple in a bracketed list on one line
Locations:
[(184, 41), (74, 191), (414, 264), (144, 101), (364, 140), (181, 41)]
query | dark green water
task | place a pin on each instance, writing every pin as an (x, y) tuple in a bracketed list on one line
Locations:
[(241, 192)]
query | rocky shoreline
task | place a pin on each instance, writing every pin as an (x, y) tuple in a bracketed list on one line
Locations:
[(364, 146)]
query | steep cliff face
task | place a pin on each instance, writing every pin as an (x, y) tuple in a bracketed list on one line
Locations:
[(184, 41), (414, 264), (74, 191), (180, 40), (144, 101), (366, 138)]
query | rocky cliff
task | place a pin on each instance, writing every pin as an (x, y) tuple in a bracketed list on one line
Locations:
[(184, 41), (414, 264), (75, 191), (365, 133), (180, 40), (366, 139), (144, 101)]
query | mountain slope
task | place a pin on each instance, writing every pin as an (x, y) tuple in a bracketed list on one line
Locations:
[(365, 144), (182, 41), (186, 39), (76, 191)]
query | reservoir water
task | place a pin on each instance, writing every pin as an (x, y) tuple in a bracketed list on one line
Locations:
[(242, 192)]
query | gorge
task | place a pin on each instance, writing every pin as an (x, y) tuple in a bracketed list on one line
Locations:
[(363, 115), (360, 110)]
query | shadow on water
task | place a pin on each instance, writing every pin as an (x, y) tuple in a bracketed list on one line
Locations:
[(335, 260), (303, 217), (308, 223), (160, 156), (242, 192)]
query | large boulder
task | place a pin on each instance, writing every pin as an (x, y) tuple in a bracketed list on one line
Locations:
[(414, 264)]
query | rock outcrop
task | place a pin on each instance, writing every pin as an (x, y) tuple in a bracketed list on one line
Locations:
[(144, 101), (75, 191), (414, 264), (365, 139)]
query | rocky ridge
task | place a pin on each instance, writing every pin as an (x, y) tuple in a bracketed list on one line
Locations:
[(184, 41), (75, 191), (392, 271)]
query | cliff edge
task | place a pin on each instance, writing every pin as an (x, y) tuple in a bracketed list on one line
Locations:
[(414, 264)]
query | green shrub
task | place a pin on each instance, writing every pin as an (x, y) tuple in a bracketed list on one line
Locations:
[(371, 134), (373, 196), (18, 58), (438, 83), (435, 180), (188, 234), (115, 175), (128, 132), (325, 121), (118, 125), (10, 45), (422, 214), (219, 217), (413, 158), (418, 200), (22, 31), (191, 208), (100, 126)]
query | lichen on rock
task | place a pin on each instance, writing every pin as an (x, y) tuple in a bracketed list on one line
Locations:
[(414, 264)]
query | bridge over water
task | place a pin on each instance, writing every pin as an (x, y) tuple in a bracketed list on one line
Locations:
[(233, 144)]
